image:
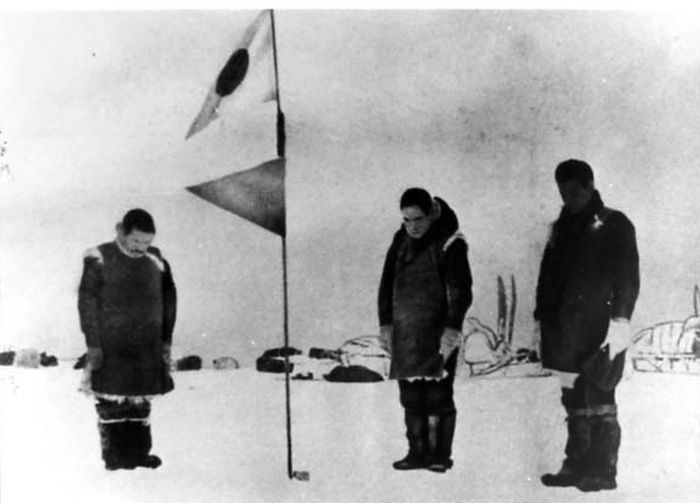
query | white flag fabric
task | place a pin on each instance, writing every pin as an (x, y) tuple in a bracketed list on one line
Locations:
[(246, 78)]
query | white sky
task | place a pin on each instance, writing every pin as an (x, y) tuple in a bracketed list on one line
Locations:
[(477, 106), (354, 4)]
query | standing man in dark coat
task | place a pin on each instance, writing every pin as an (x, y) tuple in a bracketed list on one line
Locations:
[(586, 293), (424, 294), (127, 305)]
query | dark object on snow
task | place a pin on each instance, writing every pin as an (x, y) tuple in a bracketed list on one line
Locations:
[(225, 363), (353, 373), (602, 372), (80, 364), (47, 360), (272, 360), (525, 355), (7, 357), (328, 354), (280, 352), (308, 376), (272, 365), (191, 362)]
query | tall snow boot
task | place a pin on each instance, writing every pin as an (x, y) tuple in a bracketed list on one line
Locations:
[(112, 439), (107, 446), (137, 445), (605, 444), (577, 450), (441, 430), (416, 433)]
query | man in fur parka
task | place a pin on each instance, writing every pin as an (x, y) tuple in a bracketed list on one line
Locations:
[(586, 293), (424, 294), (127, 304)]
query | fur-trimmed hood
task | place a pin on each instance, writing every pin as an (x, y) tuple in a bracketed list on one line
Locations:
[(441, 230)]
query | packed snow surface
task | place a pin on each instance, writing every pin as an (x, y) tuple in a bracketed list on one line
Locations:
[(221, 435)]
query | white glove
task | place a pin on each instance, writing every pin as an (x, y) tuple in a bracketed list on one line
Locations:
[(386, 336), (619, 337), (566, 379), (449, 341)]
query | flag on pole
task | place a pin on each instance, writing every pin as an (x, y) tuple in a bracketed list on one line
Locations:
[(247, 77), (256, 194)]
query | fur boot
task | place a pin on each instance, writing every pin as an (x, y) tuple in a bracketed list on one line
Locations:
[(441, 430), (416, 433), (605, 444), (578, 447)]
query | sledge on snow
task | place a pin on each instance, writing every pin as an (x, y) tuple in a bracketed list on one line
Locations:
[(488, 352), (483, 352), (670, 346)]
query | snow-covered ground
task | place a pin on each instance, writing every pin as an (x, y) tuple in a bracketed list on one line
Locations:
[(221, 435)]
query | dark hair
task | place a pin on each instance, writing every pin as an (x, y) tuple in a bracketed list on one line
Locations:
[(138, 219), (573, 169), (417, 197)]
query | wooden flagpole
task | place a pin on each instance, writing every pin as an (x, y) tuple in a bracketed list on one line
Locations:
[(281, 143)]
